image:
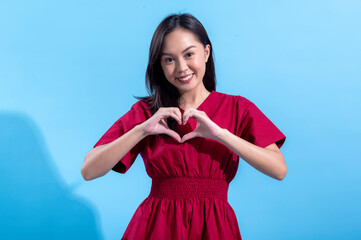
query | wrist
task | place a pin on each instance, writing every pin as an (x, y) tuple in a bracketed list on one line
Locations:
[(140, 130), (222, 133)]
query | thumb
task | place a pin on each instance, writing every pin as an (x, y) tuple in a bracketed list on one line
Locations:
[(173, 134), (189, 136)]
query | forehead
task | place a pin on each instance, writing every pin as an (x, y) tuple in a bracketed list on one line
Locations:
[(179, 39)]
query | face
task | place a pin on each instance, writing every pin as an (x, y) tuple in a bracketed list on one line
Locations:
[(183, 60)]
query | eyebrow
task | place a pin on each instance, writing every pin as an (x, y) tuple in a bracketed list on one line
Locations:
[(164, 53)]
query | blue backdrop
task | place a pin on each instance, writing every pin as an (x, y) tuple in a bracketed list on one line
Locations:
[(69, 70)]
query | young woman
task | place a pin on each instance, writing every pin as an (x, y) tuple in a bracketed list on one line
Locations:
[(190, 138)]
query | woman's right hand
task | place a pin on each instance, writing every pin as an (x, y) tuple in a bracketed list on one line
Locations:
[(157, 124)]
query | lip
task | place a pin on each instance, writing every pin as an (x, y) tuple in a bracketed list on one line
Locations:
[(184, 77)]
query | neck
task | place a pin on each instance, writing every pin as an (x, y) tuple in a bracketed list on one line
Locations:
[(194, 98)]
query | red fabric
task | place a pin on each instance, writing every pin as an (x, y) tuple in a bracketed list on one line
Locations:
[(191, 210)]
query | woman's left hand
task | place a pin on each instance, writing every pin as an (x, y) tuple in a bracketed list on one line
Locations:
[(205, 128)]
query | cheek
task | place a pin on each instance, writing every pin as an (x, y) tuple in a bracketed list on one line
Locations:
[(167, 70), (199, 64)]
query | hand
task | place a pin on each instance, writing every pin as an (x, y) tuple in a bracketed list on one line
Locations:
[(157, 124), (205, 126)]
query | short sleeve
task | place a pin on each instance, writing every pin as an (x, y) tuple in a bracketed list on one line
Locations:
[(129, 120), (256, 128)]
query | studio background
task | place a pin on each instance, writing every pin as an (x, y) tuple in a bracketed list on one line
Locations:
[(69, 70)]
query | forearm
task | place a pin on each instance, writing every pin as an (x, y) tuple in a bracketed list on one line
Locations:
[(102, 159), (265, 160)]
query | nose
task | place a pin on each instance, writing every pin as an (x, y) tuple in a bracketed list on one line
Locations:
[(182, 66)]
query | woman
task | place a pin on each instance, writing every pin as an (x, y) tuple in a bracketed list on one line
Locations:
[(190, 138)]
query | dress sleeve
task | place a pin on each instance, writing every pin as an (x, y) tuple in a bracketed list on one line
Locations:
[(256, 128), (129, 120)]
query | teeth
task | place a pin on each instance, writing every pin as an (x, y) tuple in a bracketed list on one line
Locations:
[(186, 78)]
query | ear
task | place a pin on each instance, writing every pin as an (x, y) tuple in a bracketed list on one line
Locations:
[(207, 51)]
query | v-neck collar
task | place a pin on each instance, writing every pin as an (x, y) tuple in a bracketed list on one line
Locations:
[(203, 103)]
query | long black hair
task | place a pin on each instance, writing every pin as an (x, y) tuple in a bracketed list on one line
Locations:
[(161, 92)]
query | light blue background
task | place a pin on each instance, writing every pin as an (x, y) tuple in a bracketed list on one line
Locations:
[(69, 70)]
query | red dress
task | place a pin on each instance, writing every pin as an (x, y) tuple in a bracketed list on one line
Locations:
[(188, 198)]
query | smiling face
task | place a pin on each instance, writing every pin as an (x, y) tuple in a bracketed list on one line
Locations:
[(183, 60)]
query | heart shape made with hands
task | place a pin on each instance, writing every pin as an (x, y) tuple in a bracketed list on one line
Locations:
[(197, 124), (186, 128), (180, 129)]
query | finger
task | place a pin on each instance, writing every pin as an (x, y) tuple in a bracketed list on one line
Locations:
[(163, 122), (187, 114), (173, 134), (172, 112), (176, 117), (179, 114), (199, 116), (193, 113), (189, 136)]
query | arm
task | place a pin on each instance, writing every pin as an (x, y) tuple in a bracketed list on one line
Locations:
[(101, 159), (268, 160)]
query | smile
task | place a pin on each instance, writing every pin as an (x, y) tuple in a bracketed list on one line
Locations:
[(186, 78)]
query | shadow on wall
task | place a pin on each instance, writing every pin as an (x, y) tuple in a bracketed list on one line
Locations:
[(34, 202)]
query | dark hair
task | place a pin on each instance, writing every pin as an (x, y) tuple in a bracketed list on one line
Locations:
[(161, 92)]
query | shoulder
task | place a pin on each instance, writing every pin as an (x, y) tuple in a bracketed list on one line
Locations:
[(142, 104), (141, 107), (238, 100), (138, 112)]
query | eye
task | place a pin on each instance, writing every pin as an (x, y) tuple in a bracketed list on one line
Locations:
[(168, 60), (190, 54)]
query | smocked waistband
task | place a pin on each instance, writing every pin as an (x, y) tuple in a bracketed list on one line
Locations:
[(188, 187)]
